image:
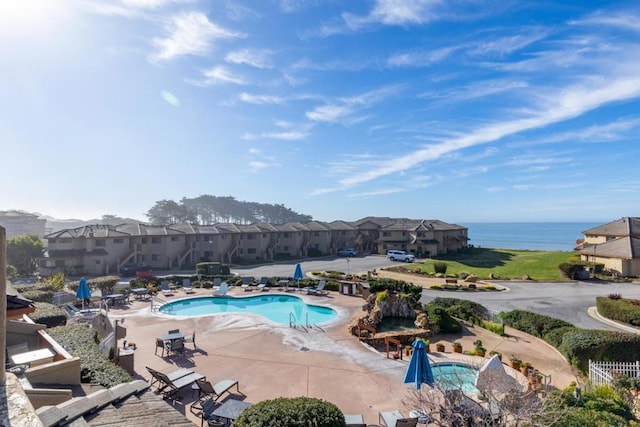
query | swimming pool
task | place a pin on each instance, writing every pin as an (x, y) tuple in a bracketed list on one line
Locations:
[(455, 376), (277, 308)]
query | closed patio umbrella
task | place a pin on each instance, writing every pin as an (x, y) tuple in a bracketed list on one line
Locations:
[(83, 293), (297, 275), (419, 369)]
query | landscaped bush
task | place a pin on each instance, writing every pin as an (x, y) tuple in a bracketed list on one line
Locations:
[(571, 269), (440, 267), (49, 314), (496, 328), (477, 310), (82, 342), (105, 284), (623, 310), (441, 320), (37, 295), (291, 412), (400, 286), (212, 268), (555, 336), (584, 344), (532, 323)]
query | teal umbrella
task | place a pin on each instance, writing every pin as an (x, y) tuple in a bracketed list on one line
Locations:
[(419, 369), (83, 293), (297, 275)]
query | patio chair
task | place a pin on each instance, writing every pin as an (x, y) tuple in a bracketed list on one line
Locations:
[(155, 378), (172, 387), (176, 346), (164, 286), (186, 286), (246, 284), (191, 340), (396, 419), (318, 290), (173, 331), (208, 391), (263, 283), (354, 420), (222, 291), (78, 315), (160, 343)]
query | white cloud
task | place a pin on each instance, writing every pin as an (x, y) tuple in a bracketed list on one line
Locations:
[(618, 130), (255, 166), (420, 58), (253, 57), (152, 4), (217, 75), (478, 89), (627, 20), (556, 106), (395, 12), (191, 33), (346, 107), (261, 99), (509, 44), (380, 192), (284, 136)]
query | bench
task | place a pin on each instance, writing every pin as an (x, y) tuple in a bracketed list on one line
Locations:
[(451, 281)]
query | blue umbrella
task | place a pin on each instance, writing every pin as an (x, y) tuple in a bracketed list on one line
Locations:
[(297, 275), (83, 292), (419, 369)]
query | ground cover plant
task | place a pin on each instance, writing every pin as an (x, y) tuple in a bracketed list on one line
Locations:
[(621, 309), (291, 412), (502, 264)]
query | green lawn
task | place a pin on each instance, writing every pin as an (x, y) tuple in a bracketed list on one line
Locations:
[(504, 264)]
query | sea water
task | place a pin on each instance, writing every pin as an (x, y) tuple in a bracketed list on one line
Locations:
[(546, 236)]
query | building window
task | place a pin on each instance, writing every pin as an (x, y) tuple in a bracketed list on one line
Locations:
[(63, 240), (208, 239), (404, 233), (223, 237), (286, 249), (251, 250), (208, 254), (286, 235), (421, 234), (316, 233), (264, 235), (174, 238), (59, 263), (143, 258), (155, 240), (118, 241), (100, 242), (97, 262), (344, 233), (155, 257), (386, 234), (251, 237), (317, 246), (144, 241)]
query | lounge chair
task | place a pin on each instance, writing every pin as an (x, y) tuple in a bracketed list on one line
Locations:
[(354, 420), (396, 419), (224, 287), (172, 387), (216, 283), (207, 390), (155, 378), (186, 286), (264, 281), (246, 284), (79, 315), (160, 343), (164, 286), (318, 290)]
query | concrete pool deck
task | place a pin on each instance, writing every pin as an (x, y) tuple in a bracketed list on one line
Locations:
[(273, 361)]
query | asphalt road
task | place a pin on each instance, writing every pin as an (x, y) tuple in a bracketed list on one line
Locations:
[(568, 301)]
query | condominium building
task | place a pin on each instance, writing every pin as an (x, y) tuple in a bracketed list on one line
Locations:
[(103, 249)]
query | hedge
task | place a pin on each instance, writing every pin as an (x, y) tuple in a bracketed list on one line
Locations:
[(379, 285), (623, 310), (49, 315), (584, 344), (463, 309), (82, 342), (37, 295), (291, 412), (439, 316), (534, 324)]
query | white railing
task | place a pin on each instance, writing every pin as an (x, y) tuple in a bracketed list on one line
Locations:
[(601, 373)]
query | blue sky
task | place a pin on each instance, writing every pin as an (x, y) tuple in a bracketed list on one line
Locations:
[(460, 110)]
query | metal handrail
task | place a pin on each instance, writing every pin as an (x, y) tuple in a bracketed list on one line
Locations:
[(307, 320), (292, 320), (160, 302)]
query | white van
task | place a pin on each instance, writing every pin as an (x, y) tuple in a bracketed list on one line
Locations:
[(395, 255)]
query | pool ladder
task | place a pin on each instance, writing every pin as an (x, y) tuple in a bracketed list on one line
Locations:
[(292, 321)]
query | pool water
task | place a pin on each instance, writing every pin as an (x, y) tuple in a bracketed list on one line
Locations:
[(277, 308), (455, 376), (389, 324)]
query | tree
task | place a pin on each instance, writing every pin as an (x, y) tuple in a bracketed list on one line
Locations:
[(23, 253)]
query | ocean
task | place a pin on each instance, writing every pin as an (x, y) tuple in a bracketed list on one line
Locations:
[(546, 236)]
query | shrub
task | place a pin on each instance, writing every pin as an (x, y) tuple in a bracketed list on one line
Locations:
[(532, 323), (399, 286), (440, 267), (37, 295), (476, 309), (619, 309), (56, 282), (496, 328), (82, 342), (382, 296), (571, 269), (615, 296), (49, 314), (105, 284), (555, 336), (439, 317), (291, 412), (584, 344)]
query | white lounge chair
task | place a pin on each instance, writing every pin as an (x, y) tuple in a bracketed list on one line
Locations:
[(263, 283), (186, 286), (356, 420), (164, 286), (224, 287), (216, 283), (318, 290), (396, 419), (246, 284)]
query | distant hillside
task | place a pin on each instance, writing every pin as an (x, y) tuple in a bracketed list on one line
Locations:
[(55, 224)]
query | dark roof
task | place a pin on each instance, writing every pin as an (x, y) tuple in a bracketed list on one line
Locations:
[(15, 302), (626, 226), (623, 248), (128, 404)]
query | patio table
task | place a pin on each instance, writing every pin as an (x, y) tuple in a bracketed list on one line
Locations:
[(230, 409), (33, 358)]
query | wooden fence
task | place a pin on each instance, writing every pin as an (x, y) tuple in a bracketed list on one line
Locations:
[(601, 373)]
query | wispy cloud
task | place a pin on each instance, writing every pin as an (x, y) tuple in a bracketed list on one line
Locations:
[(190, 33), (420, 58), (628, 20), (345, 108), (153, 4), (217, 75), (253, 57), (615, 131), (261, 99), (285, 136), (556, 106), (505, 45), (395, 12), (478, 89)]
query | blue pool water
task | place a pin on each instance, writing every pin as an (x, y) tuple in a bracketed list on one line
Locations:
[(276, 308), (455, 376)]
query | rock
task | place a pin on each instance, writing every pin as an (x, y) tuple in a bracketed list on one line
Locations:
[(526, 277), (472, 278)]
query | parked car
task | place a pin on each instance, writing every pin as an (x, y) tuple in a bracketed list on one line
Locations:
[(395, 255), (347, 252), (131, 269)]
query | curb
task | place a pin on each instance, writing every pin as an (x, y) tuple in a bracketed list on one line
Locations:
[(593, 312)]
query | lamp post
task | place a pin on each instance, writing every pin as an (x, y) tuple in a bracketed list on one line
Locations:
[(348, 272)]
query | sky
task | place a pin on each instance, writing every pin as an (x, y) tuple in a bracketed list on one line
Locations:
[(458, 110)]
